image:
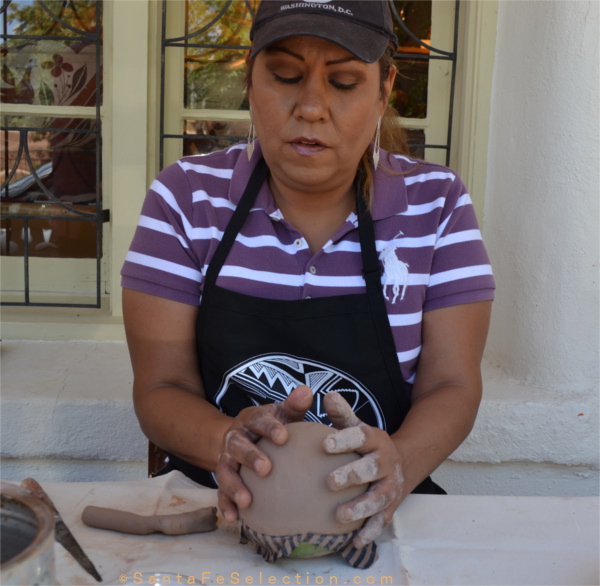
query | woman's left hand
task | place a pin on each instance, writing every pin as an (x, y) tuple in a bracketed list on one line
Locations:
[(380, 465)]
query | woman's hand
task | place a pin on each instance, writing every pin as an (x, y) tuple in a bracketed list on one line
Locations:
[(380, 465), (239, 447)]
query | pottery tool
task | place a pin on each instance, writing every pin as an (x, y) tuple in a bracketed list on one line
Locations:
[(198, 521), (62, 533)]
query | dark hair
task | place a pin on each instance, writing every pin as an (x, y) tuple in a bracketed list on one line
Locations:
[(393, 135)]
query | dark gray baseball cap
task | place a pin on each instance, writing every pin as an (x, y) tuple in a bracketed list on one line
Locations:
[(362, 27)]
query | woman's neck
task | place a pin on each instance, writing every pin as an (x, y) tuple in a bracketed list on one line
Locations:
[(317, 216)]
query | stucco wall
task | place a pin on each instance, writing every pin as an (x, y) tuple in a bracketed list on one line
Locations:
[(541, 211), (541, 208)]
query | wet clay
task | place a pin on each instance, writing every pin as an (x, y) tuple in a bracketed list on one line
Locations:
[(294, 497), (199, 521)]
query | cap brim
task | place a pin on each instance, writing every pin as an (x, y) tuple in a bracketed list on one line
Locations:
[(362, 42)]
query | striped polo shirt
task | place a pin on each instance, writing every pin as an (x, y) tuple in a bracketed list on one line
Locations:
[(426, 233)]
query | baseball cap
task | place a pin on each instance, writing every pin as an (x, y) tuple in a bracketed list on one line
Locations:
[(362, 27)]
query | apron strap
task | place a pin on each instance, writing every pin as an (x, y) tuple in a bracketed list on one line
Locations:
[(235, 225), (372, 272)]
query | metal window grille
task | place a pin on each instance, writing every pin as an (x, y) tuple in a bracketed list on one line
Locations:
[(417, 142), (65, 125)]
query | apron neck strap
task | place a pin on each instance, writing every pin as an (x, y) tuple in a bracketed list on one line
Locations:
[(235, 224), (370, 260)]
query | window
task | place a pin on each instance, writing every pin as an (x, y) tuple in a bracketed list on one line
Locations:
[(204, 45), (51, 199)]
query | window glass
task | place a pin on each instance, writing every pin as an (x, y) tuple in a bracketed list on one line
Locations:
[(50, 134), (412, 25), (215, 41), (206, 136), (216, 65)]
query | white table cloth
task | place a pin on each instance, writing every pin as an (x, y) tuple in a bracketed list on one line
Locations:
[(480, 540)]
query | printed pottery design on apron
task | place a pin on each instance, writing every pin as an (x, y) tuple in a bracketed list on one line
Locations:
[(272, 377)]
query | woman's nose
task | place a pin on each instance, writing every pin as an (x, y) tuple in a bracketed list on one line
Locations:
[(313, 100)]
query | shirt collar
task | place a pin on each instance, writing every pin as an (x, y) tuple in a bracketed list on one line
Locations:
[(389, 189), (390, 197), (241, 175)]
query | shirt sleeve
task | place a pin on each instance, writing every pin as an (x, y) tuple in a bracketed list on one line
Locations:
[(460, 271), (161, 260)]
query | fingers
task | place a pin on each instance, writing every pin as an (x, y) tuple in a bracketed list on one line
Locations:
[(369, 504), (268, 420), (379, 467), (361, 471), (296, 405), (370, 531), (240, 449), (232, 494), (384, 493), (339, 411), (350, 439)]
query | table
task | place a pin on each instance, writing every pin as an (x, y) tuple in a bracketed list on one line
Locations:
[(480, 540)]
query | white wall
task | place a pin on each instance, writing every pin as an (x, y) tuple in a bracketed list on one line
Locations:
[(541, 210)]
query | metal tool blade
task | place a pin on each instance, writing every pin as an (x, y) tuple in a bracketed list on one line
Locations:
[(62, 533), (66, 539)]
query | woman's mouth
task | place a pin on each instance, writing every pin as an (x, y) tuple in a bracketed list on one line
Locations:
[(307, 146)]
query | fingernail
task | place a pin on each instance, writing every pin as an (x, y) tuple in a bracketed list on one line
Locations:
[(359, 543), (330, 443), (345, 516), (260, 466)]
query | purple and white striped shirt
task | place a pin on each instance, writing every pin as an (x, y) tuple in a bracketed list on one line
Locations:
[(425, 228)]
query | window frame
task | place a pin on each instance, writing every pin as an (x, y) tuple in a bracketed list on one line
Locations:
[(56, 210)]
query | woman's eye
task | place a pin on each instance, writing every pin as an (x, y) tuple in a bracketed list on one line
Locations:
[(343, 86), (288, 80)]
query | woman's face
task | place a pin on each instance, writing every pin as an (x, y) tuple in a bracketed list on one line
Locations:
[(315, 108)]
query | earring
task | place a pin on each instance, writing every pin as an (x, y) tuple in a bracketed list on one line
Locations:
[(376, 147), (251, 137)]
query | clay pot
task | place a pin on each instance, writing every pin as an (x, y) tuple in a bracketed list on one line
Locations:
[(294, 498)]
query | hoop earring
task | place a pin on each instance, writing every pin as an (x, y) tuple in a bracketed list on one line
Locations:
[(251, 137), (376, 147)]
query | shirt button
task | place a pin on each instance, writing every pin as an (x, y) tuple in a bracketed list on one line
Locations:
[(298, 242), (313, 270)]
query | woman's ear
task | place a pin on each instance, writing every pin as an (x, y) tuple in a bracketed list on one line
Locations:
[(388, 85), (249, 66)]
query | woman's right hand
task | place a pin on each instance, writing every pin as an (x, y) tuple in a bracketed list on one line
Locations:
[(239, 446)]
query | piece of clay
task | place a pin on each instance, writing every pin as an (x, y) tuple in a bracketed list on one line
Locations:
[(198, 521), (294, 496), (293, 510)]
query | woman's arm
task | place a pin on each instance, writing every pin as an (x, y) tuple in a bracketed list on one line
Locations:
[(445, 400), (168, 394), (447, 390), (171, 405)]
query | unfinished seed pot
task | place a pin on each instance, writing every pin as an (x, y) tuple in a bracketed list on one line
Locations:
[(293, 502)]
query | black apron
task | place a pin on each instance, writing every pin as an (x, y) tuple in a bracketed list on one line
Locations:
[(254, 351)]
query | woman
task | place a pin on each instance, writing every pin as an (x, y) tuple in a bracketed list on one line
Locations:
[(344, 268)]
